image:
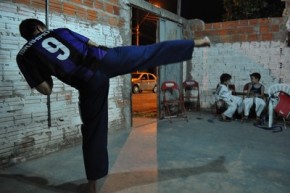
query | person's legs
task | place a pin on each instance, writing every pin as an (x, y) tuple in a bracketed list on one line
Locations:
[(239, 102), (248, 102), (94, 114), (260, 105), (232, 107), (123, 60)]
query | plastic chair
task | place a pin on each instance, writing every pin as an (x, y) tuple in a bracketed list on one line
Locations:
[(173, 103), (191, 94), (279, 102)]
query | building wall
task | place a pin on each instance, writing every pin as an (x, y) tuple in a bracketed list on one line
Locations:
[(240, 48), (24, 131)]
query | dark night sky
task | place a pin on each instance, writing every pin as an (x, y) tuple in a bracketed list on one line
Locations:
[(206, 10)]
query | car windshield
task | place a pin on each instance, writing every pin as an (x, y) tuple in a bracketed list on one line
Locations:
[(136, 75)]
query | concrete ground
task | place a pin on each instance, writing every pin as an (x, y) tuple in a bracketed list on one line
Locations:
[(202, 155)]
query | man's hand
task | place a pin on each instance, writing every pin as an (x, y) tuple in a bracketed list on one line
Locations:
[(44, 88), (92, 43)]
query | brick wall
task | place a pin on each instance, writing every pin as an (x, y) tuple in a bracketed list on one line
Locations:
[(267, 29), (240, 48), (24, 131)]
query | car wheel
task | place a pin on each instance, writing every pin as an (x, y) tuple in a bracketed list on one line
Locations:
[(135, 89), (155, 89)]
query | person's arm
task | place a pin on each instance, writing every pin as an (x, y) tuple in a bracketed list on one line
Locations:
[(262, 95), (249, 91), (36, 78), (92, 43), (44, 88), (224, 93)]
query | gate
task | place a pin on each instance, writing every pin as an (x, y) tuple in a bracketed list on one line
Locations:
[(168, 30)]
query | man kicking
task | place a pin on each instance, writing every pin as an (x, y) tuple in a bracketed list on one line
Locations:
[(79, 62)]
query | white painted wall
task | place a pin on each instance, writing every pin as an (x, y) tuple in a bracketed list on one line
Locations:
[(24, 131), (239, 60)]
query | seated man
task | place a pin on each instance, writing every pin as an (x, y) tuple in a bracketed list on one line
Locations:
[(225, 94), (255, 95)]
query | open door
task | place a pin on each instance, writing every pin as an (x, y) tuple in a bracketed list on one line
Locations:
[(168, 30)]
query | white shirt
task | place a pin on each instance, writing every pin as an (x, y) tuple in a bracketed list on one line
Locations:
[(224, 93)]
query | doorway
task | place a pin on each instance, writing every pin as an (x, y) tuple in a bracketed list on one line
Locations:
[(148, 28), (144, 83)]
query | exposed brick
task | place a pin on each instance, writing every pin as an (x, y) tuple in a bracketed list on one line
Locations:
[(56, 6), (116, 10), (77, 1), (216, 26), (253, 22), (243, 23), (92, 15), (88, 3), (69, 9), (38, 4), (27, 2), (246, 30), (81, 12), (267, 37), (229, 24), (264, 21), (250, 27), (108, 8), (222, 32), (209, 33), (253, 37), (264, 29), (99, 4)]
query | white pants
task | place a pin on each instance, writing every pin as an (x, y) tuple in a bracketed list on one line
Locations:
[(233, 104), (248, 103)]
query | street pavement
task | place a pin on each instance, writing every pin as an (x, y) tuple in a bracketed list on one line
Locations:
[(203, 155)]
